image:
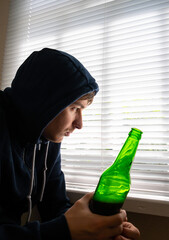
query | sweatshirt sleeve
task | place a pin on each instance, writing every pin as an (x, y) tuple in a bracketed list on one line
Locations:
[(55, 229)]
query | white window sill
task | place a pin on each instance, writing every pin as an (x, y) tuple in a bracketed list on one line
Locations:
[(132, 204)]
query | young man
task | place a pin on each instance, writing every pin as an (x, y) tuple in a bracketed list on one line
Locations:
[(44, 104)]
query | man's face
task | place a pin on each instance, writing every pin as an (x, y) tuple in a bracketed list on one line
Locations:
[(66, 122)]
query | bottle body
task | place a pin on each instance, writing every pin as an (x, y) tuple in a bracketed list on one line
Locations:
[(114, 183)]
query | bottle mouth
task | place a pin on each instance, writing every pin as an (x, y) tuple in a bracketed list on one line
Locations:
[(137, 132)]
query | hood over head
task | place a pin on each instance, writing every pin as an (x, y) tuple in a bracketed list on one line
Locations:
[(46, 83)]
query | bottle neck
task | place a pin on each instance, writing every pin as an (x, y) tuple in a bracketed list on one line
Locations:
[(126, 155)]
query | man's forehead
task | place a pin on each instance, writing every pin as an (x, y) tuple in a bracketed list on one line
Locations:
[(81, 103)]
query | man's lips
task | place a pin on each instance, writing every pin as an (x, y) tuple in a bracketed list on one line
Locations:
[(67, 134)]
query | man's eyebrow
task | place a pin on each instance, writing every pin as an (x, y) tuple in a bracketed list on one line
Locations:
[(79, 104)]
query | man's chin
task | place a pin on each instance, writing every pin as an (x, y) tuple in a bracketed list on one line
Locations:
[(57, 140)]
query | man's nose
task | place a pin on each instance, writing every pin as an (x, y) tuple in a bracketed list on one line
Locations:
[(78, 123)]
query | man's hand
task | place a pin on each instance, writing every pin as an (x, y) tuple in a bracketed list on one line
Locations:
[(84, 225), (130, 232)]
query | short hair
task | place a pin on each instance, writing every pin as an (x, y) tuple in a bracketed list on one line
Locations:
[(89, 96)]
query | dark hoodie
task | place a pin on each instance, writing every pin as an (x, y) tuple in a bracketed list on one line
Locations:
[(30, 166)]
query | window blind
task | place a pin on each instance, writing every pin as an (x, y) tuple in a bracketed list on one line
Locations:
[(125, 46)]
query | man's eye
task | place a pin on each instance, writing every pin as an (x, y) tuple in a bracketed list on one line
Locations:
[(74, 109)]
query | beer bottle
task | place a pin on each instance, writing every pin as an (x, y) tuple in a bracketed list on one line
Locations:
[(114, 183)]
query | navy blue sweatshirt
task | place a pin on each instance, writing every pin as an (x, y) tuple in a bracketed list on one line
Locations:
[(30, 166)]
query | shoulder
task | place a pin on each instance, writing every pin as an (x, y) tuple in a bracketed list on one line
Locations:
[(3, 119), (3, 109)]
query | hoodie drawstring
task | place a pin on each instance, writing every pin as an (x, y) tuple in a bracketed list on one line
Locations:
[(44, 172), (32, 179), (31, 185)]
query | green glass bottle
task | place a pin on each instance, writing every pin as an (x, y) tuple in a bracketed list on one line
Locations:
[(114, 183)]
